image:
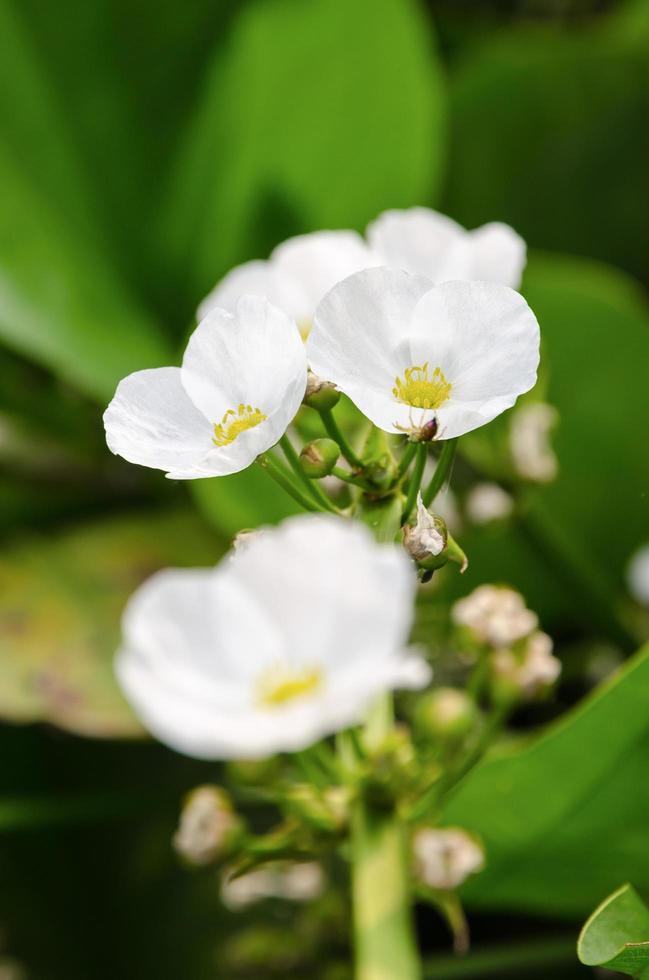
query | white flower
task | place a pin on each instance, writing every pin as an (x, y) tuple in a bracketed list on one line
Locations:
[(289, 641), (488, 502), (427, 538), (446, 856), (426, 242), (638, 575), (296, 276), (241, 383), (529, 671), (495, 614), (529, 440), (406, 351)]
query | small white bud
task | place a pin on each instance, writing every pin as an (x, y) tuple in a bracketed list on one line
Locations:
[(529, 672), (207, 825), (488, 502), (243, 538), (637, 575), (529, 441), (446, 856), (495, 614), (427, 538)]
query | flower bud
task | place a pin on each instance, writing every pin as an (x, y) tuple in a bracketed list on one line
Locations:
[(319, 457), (242, 539), (208, 826), (444, 857), (525, 673), (321, 395), (326, 812), (298, 881), (532, 453), (495, 615), (428, 537), (446, 714), (488, 502)]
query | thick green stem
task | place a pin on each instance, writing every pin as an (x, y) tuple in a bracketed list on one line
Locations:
[(442, 470), (383, 932), (384, 939), (415, 481), (335, 433)]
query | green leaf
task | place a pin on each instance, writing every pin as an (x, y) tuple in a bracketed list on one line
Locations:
[(616, 935), (302, 126), (60, 605), (548, 135), (564, 818)]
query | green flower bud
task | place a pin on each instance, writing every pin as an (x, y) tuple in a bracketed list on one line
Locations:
[(321, 395), (446, 713), (319, 457)]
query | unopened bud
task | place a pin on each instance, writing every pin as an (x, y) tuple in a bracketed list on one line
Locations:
[(446, 714), (526, 673), (531, 426), (325, 812), (427, 537), (488, 502), (320, 394), (445, 857), (319, 457), (495, 615), (242, 539), (208, 826)]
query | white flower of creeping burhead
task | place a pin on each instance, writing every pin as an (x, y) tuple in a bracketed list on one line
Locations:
[(407, 352), (241, 383), (426, 242), (290, 640), (296, 276)]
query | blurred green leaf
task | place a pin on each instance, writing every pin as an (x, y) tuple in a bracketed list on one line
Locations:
[(563, 819), (243, 500), (549, 134), (616, 935), (60, 605), (315, 115)]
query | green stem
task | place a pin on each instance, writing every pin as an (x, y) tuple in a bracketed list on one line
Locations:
[(355, 481), (310, 485), (406, 460), (273, 469), (442, 470), (384, 939), (334, 432), (415, 481)]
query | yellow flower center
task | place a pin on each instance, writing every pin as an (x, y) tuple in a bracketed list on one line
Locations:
[(234, 423), (304, 325), (422, 389), (277, 685)]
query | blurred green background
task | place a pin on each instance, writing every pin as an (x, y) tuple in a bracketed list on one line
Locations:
[(145, 148)]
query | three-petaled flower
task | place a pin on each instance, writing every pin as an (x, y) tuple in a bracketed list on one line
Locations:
[(289, 641), (242, 380), (406, 351)]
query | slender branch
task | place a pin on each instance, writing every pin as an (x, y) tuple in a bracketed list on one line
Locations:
[(335, 433), (311, 486), (273, 469), (406, 460), (415, 480), (442, 470), (356, 481)]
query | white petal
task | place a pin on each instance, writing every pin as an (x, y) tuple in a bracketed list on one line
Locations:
[(151, 421), (498, 254), (421, 241), (485, 339), (254, 278), (356, 329), (316, 262)]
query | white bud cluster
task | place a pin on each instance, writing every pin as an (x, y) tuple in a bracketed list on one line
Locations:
[(445, 857), (495, 615), (206, 821), (529, 442), (530, 671), (299, 882)]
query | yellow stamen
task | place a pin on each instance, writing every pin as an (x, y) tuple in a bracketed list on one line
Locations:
[(278, 685), (234, 423), (416, 388)]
